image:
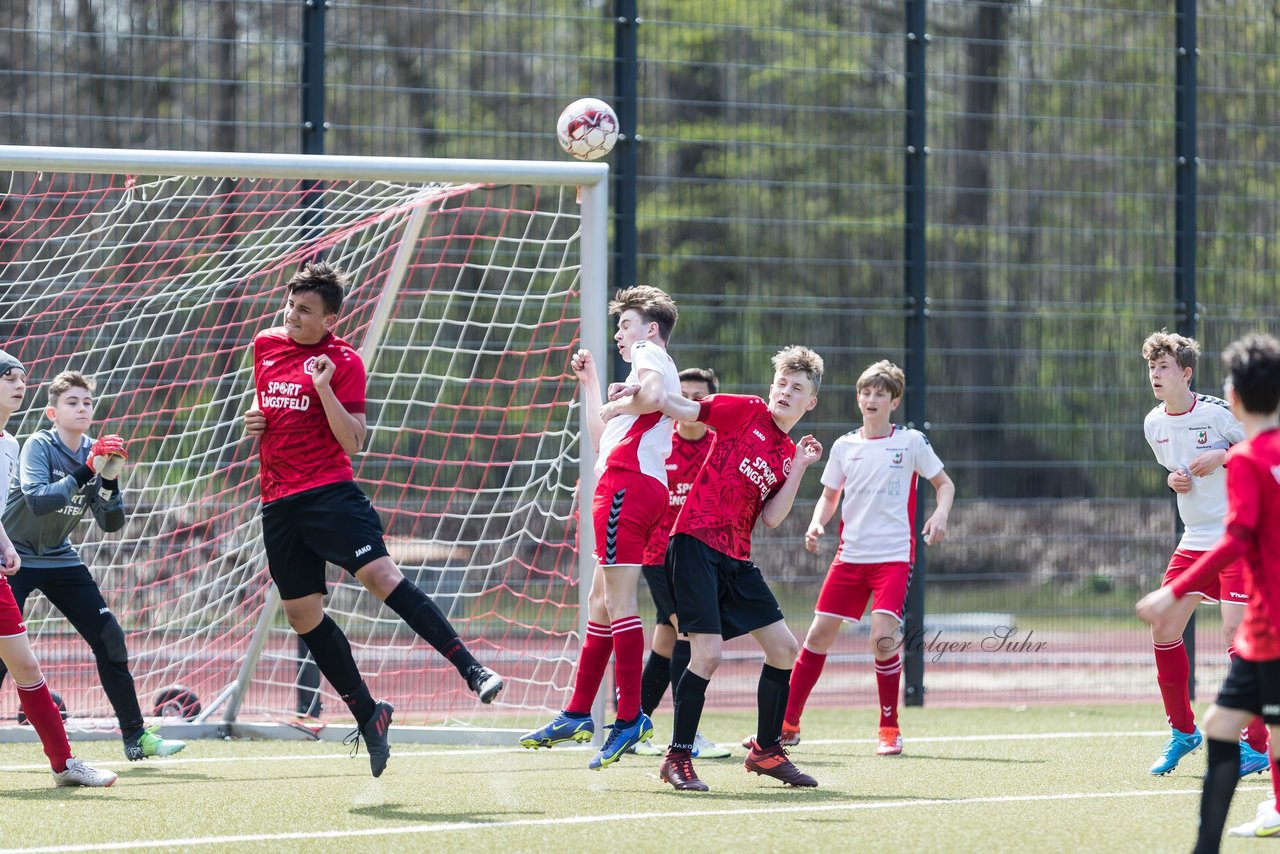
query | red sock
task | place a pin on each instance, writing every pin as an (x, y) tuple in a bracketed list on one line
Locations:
[(803, 677), (46, 720), (628, 662), (1275, 780), (1172, 673), (888, 678), (592, 661)]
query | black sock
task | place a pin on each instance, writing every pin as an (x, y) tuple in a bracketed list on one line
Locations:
[(771, 704), (1219, 786), (654, 681), (422, 615), (688, 698), (679, 662), (332, 652)]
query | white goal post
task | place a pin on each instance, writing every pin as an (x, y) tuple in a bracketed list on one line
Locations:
[(474, 281)]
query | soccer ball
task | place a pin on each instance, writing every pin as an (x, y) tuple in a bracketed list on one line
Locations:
[(587, 129)]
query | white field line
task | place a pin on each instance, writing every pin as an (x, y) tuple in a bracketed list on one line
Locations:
[(445, 752), (447, 827)]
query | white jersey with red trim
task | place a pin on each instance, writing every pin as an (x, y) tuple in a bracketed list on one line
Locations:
[(1179, 439), (8, 461), (878, 477), (641, 442)]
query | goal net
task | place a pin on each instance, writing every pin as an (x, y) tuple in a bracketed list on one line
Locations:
[(152, 271)]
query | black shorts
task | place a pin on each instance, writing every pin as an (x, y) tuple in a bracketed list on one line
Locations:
[(716, 594), (1252, 686), (664, 600), (334, 523)]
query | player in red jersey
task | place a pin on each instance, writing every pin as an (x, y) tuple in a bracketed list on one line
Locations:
[(633, 438), (309, 417), (753, 472), (876, 467), (15, 647), (669, 656), (1252, 686)]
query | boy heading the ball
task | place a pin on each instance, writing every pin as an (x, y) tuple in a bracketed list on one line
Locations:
[(1251, 538), (633, 438), (309, 418), (15, 648), (753, 472), (62, 474)]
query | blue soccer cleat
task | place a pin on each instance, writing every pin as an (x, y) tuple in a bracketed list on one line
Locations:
[(1251, 761), (1178, 746), (565, 727), (620, 739)]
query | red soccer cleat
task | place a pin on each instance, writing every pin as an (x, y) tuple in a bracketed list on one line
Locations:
[(677, 769), (774, 763)]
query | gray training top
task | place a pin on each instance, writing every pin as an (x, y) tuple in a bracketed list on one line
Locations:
[(47, 501)]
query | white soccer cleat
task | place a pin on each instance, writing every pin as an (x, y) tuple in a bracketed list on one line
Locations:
[(1266, 823), (705, 748), (83, 774), (647, 748)]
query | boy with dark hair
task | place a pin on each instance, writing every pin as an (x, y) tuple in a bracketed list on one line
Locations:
[(309, 417), (633, 438), (62, 473), (753, 472), (1252, 686), (1189, 434), (669, 656), (15, 647)]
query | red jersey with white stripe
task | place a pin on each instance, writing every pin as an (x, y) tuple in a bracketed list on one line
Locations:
[(687, 457), (298, 451), (641, 442), (749, 462), (1176, 441), (878, 477)]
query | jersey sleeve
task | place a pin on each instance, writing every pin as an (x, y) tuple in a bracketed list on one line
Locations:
[(1233, 430), (926, 458), (725, 411), (833, 470), (35, 470), (349, 383)]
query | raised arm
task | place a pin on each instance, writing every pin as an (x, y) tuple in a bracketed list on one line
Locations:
[(584, 368), (808, 452), (349, 428)]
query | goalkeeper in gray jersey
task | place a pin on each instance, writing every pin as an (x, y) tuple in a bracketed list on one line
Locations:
[(61, 474)]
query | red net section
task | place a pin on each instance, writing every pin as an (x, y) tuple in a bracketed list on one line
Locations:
[(465, 305)]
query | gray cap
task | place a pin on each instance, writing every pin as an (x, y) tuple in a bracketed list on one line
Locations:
[(8, 363)]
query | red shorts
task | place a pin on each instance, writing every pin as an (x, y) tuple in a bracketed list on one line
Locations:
[(10, 617), (626, 511), (848, 586), (1229, 586)]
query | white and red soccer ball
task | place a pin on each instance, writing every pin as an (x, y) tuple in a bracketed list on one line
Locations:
[(587, 129)]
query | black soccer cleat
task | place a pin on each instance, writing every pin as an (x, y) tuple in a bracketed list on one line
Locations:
[(375, 738), (484, 682)]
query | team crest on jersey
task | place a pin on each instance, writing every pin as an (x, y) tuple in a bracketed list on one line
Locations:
[(309, 366), (1202, 437), (786, 468), (897, 458)]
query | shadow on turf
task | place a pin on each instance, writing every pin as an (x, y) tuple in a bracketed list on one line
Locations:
[(65, 794), (397, 812)]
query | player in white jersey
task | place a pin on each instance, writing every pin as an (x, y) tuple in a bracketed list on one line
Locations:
[(1190, 434), (633, 439), (876, 467)]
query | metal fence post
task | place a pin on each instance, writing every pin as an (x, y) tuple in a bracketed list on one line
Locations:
[(1184, 253), (916, 317)]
